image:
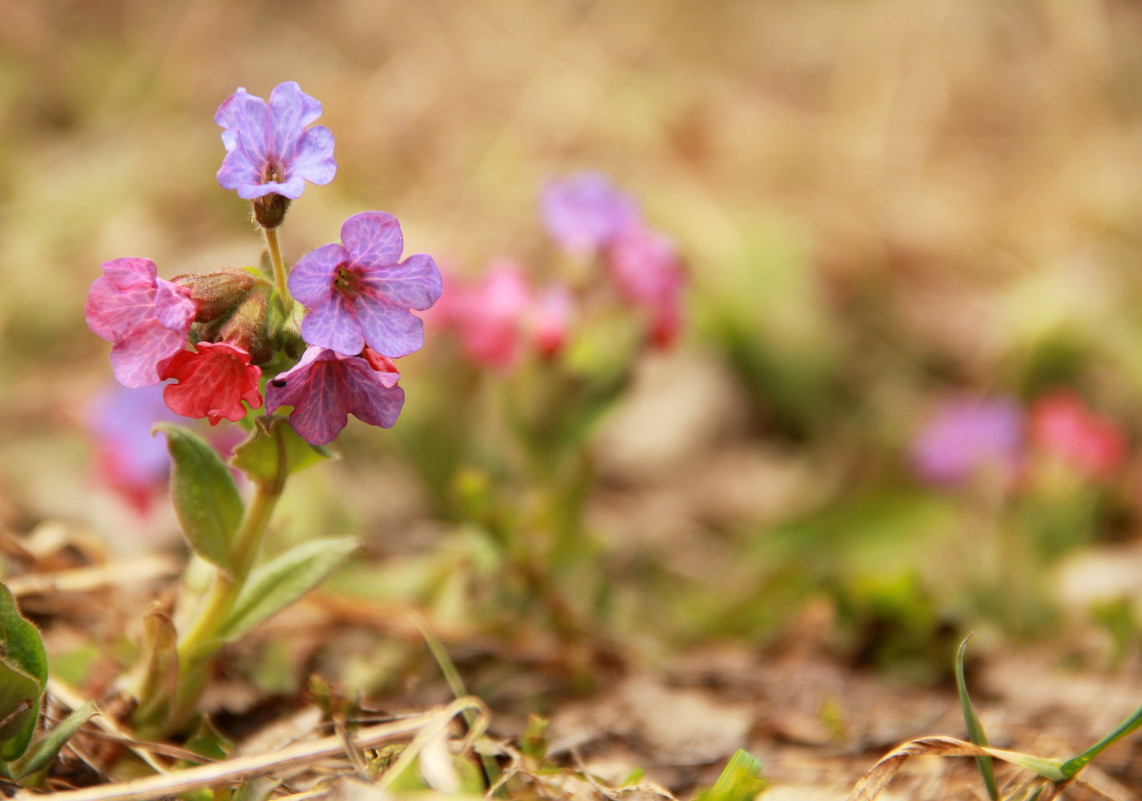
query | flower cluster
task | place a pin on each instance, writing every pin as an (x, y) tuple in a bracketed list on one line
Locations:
[(222, 337), (972, 436), (585, 214)]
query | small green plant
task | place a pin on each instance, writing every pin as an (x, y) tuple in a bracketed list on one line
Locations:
[(24, 756)]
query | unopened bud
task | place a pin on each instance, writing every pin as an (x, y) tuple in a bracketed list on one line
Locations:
[(219, 293)]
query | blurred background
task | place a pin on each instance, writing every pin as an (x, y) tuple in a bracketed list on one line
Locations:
[(882, 206)]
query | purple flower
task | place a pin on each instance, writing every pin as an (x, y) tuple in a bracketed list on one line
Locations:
[(584, 211), (968, 435), (146, 317), (358, 294), (325, 387), (268, 150)]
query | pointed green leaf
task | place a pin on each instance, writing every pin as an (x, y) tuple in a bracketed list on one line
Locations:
[(205, 497), (1076, 763), (281, 581), (274, 451), (975, 728), (47, 747), (741, 780), (23, 674)]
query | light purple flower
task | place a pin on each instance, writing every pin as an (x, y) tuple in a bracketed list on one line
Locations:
[(146, 317), (358, 293), (969, 435), (585, 211), (325, 387), (268, 149)]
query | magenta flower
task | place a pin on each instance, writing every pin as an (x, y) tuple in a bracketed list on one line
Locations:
[(358, 293), (268, 149), (585, 211), (647, 271), (967, 436), (325, 387), (144, 316), (213, 381), (551, 319)]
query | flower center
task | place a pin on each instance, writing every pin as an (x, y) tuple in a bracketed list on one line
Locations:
[(347, 282), (273, 171)]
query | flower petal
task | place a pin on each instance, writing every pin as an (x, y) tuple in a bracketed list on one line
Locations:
[(311, 279), (290, 110), (389, 330), (367, 398), (134, 359), (314, 158), (334, 325), (373, 239), (415, 283)]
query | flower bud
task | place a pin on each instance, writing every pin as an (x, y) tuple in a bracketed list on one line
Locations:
[(246, 327), (219, 293)]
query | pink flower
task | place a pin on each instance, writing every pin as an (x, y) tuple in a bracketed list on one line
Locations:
[(499, 316), (551, 320), (1061, 424), (212, 382), (325, 387), (146, 317), (645, 267), (967, 436), (268, 149), (358, 293), (584, 211)]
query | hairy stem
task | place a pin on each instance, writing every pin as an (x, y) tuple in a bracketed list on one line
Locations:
[(275, 252)]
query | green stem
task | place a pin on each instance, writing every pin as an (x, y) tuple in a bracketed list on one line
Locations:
[(205, 636), (280, 283)]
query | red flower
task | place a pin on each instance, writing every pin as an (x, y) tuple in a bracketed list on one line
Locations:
[(1063, 425), (212, 382)]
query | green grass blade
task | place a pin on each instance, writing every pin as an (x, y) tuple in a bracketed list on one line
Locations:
[(1076, 763), (975, 728)]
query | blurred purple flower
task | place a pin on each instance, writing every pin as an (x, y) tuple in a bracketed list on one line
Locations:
[(585, 211), (146, 317), (969, 435), (358, 294), (325, 387), (268, 150), (127, 458)]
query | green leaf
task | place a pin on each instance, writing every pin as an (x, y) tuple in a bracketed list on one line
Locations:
[(741, 780), (205, 497), (275, 451), (281, 581), (23, 674), (46, 748), (975, 728), (1076, 763)]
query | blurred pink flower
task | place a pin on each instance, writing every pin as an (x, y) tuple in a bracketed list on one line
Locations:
[(968, 436), (645, 266), (497, 317), (1061, 424)]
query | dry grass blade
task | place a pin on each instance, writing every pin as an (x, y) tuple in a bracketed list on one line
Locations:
[(83, 579), (233, 770), (873, 782)]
